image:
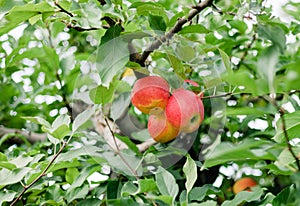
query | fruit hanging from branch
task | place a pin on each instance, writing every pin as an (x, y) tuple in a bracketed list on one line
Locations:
[(150, 92), (182, 111), (185, 110)]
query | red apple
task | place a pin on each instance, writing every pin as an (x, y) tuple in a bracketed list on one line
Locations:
[(150, 92), (185, 110), (160, 129), (243, 184)]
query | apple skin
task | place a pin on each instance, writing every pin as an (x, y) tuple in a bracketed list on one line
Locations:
[(185, 110), (150, 92), (243, 184), (160, 129)]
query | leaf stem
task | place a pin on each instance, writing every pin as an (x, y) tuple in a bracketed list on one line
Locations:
[(118, 151), (26, 187)]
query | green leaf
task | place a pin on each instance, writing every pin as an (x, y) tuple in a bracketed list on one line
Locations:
[(275, 34), (77, 193), (249, 149), (157, 23), (60, 126), (89, 202), (190, 171), (166, 183), (199, 193), (39, 121), (128, 142), (19, 14), (7, 165), (185, 52), (84, 174), (199, 29), (110, 34), (120, 105), (143, 186), (132, 165), (7, 196), (54, 192), (71, 174), (239, 25), (8, 177), (82, 118), (111, 59), (245, 196), (292, 126), (285, 197), (267, 66), (226, 61), (102, 94)]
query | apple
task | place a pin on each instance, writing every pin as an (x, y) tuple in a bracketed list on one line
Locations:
[(150, 92), (243, 184), (185, 110), (159, 127)]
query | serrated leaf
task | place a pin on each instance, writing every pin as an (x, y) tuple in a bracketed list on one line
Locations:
[(128, 142), (249, 149), (19, 14), (102, 94), (157, 23), (7, 165), (111, 59), (200, 29), (292, 127), (82, 118), (226, 61), (8, 177), (166, 183), (190, 171), (245, 196), (39, 121), (7, 196), (267, 66), (77, 193), (60, 126)]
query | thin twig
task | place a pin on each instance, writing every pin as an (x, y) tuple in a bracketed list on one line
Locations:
[(63, 10), (217, 96), (175, 29), (282, 112), (118, 152), (283, 127), (244, 55), (26, 187)]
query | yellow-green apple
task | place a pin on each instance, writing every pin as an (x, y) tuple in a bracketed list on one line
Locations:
[(150, 92), (185, 110), (243, 184), (160, 129)]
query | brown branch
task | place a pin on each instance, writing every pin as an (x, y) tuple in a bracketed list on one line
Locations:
[(282, 112), (244, 55), (26, 187), (63, 10), (283, 127), (118, 151), (31, 136), (78, 28), (175, 29)]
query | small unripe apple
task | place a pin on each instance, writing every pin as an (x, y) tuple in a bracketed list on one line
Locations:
[(243, 184), (160, 129), (185, 110), (150, 92)]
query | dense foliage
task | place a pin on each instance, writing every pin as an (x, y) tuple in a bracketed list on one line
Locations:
[(69, 134)]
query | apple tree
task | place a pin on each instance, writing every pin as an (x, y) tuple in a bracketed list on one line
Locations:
[(73, 132)]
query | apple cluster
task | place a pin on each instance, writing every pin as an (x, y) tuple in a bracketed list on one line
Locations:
[(169, 112)]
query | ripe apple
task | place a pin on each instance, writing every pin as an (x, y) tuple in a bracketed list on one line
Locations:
[(150, 92), (160, 129), (243, 184), (185, 110)]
